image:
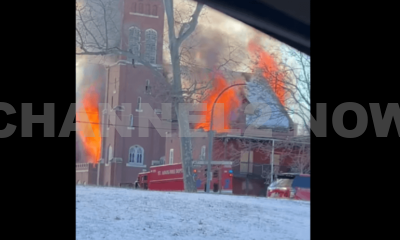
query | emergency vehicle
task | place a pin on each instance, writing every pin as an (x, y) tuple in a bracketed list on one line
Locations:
[(170, 178)]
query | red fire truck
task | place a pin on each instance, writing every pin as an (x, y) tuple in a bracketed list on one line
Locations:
[(170, 178)]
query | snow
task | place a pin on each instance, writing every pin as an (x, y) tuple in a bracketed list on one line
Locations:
[(118, 213)]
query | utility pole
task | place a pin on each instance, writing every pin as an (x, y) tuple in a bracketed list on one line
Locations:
[(220, 179), (272, 161), (211, 137), (247, 173), (104, 125), (210, 144), (98, 172)]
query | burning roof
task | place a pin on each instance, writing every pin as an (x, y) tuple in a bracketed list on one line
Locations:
[(268, 111)]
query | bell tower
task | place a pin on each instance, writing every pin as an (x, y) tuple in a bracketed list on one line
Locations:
[(124, 157)]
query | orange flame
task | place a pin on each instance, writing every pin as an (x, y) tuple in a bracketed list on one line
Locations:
[(230, 103), (90, 132), (269, 68)]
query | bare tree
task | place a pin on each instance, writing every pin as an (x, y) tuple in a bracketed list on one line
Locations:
[(301, 161), (98, 33), (182, 113), (295, 154), (298, 86), (288, 154), (290, 80), (242, 154)]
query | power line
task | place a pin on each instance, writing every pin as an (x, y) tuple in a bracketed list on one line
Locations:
[(126, 115), (117, 125), (122, 115), (145, 127)]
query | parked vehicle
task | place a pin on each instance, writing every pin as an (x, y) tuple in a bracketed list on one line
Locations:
[(290, 186), (170, 178)]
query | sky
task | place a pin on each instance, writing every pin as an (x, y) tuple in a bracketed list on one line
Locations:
[(238, 30), (216, 21), (295, 64)]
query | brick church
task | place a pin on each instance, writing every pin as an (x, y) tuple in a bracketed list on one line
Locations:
[(122, 158)]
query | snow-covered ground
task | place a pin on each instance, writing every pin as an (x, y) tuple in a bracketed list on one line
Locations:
[(118, 214)]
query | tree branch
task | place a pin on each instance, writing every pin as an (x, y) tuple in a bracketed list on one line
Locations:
[(191, 25)]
